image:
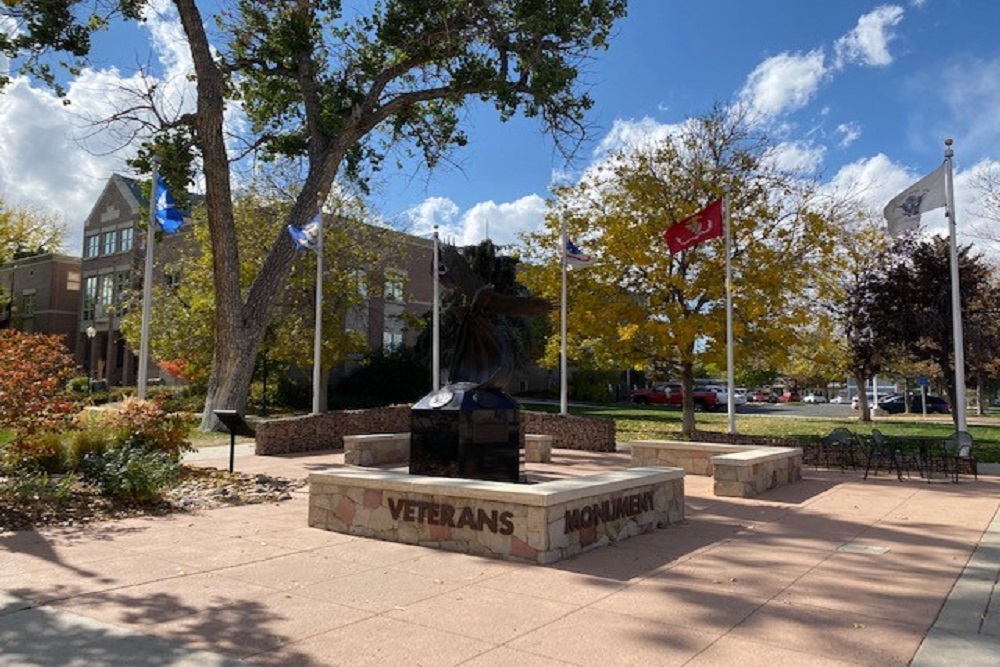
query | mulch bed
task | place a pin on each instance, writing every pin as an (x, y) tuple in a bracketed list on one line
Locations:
[(199, 489)]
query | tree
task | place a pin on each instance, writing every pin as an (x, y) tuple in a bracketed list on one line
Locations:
[(335, 90), (354, 257), (641, 306), (916, 300), (862, 350), (24, 233)]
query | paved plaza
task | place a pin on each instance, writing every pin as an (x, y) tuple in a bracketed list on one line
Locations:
[(835, 570)]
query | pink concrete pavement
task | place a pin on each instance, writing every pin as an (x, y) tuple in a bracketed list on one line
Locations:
[(831, 571)]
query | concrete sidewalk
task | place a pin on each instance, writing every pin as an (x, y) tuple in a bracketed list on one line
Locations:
[(832, 571)]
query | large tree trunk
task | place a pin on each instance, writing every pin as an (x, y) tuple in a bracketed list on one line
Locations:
[(240, 326), (866, 415)]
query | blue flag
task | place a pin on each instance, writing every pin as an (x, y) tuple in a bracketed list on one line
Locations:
[(166, 211), (304, 238)]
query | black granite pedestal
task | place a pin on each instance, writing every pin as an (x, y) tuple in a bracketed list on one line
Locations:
[(466, 431)]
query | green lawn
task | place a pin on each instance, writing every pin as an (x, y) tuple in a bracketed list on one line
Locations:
[(634, 422)]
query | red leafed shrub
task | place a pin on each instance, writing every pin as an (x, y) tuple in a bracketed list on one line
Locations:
[(178, 368), (145, 424), (34, 371)]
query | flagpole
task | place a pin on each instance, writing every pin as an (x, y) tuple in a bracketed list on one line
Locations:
[(436, 317), (318, 327), (147, 287), (730, 364), (563, 391), (956, 297)]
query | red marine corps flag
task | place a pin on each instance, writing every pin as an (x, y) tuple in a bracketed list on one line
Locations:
[(689, 232)]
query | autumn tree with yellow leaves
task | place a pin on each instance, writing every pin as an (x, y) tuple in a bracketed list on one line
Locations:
[(638, 306)]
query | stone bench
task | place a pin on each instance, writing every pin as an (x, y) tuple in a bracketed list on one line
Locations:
[(540, 523), (376, 449), (537, 448), (738, 470)]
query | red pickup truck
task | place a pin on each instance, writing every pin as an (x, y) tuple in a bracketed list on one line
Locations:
[(672, 393)]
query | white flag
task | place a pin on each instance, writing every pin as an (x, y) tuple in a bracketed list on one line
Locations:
[(903, 213)]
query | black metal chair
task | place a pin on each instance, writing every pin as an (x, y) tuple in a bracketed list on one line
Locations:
[(956, 452), (838, 448), (880, 450)]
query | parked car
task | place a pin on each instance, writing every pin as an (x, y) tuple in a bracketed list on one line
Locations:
[(934, 404), (762, 397), (672, 393), (740, 396), (790, 397), (814, 398), (871, 401), (840, 399)]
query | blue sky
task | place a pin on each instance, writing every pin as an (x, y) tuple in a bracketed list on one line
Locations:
[(861, 91)]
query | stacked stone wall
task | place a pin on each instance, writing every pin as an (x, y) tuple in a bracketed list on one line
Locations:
[(592, 434), (310, 433)]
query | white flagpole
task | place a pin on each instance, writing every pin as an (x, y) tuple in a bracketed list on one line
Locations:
[(318, 327), (563, 388), (730, 364), (956, 297), (147, 287), (436, 317)]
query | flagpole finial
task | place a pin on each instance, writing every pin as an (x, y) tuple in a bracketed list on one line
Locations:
[(949, 141), (948, 152)]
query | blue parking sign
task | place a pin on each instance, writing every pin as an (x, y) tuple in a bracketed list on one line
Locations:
[(923, 382)]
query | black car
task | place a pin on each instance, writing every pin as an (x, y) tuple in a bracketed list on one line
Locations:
[(896, 404)]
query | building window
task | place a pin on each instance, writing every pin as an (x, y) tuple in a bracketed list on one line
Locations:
[(125, 239), (394, 283), (28, 302), (108, 240), (172, 279), (391, 340), (89, 297), (91, 247), (73, 281), (122, 285), (106, 296)]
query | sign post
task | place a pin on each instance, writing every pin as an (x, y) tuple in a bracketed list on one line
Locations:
[(234, 421)]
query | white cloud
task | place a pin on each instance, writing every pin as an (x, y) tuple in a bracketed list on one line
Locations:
[(439, 211), (627, 134), (784, 83), (501, 223), (868, 42), (968, 88), (51, 155), (798, 156), (849, 133), (878, 179)]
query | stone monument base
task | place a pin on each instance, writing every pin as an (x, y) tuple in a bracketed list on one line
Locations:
[(540, 523)]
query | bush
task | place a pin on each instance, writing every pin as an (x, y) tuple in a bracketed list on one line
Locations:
[(83, 442), (132, 473), (38, 452), (34, 371), (39, 485), (144, 424), (79, 385)]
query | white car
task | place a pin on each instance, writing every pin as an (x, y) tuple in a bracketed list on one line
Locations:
[(840, 400), (739, 396), (814, 398)]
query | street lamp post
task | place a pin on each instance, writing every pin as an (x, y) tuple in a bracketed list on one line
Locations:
[(91, 333), (111, 349)]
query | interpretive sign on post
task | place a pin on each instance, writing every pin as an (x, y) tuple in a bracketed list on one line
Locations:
[(234, 421)]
